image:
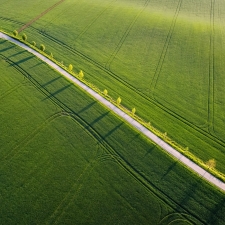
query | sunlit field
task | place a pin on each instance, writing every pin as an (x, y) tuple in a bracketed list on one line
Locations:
[(65, 159)]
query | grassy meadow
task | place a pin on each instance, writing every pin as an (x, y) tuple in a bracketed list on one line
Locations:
[(65, 159), (165, 58)]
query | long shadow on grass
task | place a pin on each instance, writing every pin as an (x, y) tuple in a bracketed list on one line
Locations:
[(96, 120), (6, 49), (99, 118), (18, 53), (171, 167), (113, 130), (149, 151), (86, 107), (22, 61), (57, 92), (2, 41), (40, 63), (51, 81)]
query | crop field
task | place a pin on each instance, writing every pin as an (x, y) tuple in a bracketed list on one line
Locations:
[(165, 58), (65, 159)]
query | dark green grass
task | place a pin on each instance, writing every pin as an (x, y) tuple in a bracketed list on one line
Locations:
[(162, 57), (66, 159)]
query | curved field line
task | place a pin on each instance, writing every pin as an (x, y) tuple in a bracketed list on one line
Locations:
[(16, 149), (39, 16), (56, 17), (95, 19), (122, 40), (164, 51), (131, 170), (175, 154), (172, 113), (70, 195), (118, 158), (172, 217), (11, 90)]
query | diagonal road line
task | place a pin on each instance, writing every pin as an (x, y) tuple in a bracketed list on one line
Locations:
[(171, 151)]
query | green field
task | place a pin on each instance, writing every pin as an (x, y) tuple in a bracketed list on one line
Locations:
[(165, 58), (65, 159)]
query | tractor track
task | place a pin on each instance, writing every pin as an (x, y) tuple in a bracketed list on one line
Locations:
[(211, 90), (39, 16), (170, 112), (164, 50), (122, 40), (126, 165)]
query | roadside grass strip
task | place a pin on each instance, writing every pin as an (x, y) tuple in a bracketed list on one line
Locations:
[(187, 162), (67, 159)]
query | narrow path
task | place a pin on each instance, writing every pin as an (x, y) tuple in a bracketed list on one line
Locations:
[(187, 162), (39, 16)]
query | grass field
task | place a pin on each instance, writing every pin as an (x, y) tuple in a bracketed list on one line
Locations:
[(163, 57), (65, 159)]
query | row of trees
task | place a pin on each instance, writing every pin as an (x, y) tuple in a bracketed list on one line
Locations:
[(24, 38), (210, 163)]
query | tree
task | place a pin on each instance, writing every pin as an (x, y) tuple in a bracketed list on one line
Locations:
[(105, 92), (51, 55), (118, 101), (15, 33), (42, 47), (133, 111), (211, 163), (81, 74), (24, 37), (70, 67), (34, 43)]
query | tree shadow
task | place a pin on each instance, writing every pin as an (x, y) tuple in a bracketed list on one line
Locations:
[(113, 130), (6, 49), (18, 53), (40, 63), (2, 41), (149, 151), (170, 168), (98, 118), (86, 107), (51, 81), (188, 194), (57, 92), (21, 61)]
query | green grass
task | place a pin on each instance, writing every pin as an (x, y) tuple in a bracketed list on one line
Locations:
[(163, 58), (65, 159)]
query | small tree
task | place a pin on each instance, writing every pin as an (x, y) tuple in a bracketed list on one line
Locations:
[(42, 47), (118, 101), (70, 67), (34, 43), (105, 92), (51, 55), (81, 74), (211, 163), (15, 33), (133, 111), (24, 37)]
